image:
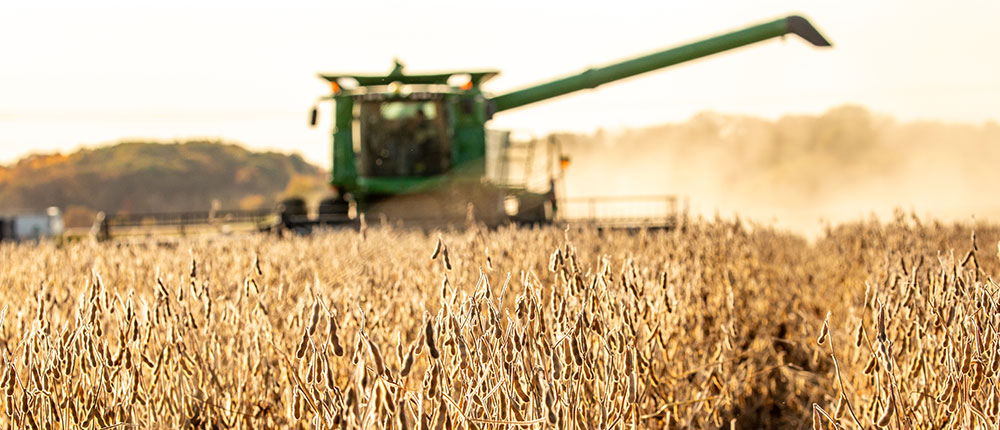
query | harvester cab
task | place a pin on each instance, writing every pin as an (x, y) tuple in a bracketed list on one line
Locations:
[(415, 146)]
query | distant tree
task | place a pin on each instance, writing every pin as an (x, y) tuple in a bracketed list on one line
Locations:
[(150, 177)]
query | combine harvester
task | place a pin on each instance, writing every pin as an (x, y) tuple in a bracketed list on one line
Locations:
[(415, 148)]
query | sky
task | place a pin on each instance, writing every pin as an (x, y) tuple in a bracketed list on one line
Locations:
[(245, 71)]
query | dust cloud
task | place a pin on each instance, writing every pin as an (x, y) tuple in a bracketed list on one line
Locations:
[(798, 172)]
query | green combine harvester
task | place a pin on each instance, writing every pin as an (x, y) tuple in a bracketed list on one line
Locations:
[(415, 147)]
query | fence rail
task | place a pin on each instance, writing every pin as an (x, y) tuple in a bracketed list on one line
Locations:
[(188, 218), (620, 211)]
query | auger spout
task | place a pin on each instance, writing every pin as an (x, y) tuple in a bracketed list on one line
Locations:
[(595, 77)]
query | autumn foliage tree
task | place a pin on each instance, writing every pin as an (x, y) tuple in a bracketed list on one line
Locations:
[(151, 177)]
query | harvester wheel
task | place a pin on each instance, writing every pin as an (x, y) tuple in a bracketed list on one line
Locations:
[(548, 212), (535, 211), (334, 210), (292, 211)]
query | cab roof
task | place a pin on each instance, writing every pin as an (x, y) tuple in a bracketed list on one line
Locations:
[(397, 75)]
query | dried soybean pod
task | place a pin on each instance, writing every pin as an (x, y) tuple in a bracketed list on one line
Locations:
[(575, 351), (870, 366), (442, 415), (437, 249), (447, 258), (314, 319), (825, 331), (297, 407), (408, 362), (555, 260), (431, 344), (841, 407), (301, 351), (887, 414), (978, 373), (859, 336), (377, 356)]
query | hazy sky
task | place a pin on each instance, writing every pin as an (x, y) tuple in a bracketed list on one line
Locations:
[(72, 77)]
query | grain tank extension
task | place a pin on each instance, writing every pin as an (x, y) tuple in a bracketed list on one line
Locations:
[(414, 146)]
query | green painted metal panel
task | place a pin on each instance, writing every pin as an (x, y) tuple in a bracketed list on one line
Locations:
[(468, 112), (344, 168), (399, 185)]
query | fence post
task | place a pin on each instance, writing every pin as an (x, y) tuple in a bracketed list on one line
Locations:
[(670, 205)]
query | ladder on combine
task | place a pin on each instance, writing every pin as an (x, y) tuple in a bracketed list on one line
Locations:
[(521, 154), (518, 163), (524, 162)]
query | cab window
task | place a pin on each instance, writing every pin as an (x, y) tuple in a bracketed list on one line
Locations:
[(403, 138)]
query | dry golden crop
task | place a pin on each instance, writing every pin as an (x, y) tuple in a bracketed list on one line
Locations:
[(712, 326)]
